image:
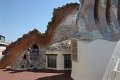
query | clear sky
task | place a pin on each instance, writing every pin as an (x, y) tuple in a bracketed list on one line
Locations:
[(17, 17)]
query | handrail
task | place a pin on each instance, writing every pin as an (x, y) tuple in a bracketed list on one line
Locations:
[(117, 64), (115, 71)]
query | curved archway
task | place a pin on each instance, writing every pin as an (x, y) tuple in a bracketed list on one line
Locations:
[(34, 52), (34, 56)]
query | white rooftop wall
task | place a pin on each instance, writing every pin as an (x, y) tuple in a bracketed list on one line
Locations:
[(116, 53), (93, 59)]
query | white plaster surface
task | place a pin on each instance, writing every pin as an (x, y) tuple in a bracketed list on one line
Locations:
[(94, 59), (116, 53)]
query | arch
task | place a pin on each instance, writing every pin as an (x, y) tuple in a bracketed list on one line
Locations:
[(35, 47), (34, 54), (34, 57)]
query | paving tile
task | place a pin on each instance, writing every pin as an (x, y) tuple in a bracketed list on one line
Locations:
[(35, 75)]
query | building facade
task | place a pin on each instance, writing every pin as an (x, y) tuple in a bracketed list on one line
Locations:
[(46, 50), (3, 45), (92, 20)]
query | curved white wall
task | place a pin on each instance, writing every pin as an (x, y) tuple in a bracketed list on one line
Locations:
[(93, 59)]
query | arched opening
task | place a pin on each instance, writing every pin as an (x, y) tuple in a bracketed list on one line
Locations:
[(34, 57), (34, 46), (34, 54)]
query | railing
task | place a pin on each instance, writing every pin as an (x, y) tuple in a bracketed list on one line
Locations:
[(114, 71)]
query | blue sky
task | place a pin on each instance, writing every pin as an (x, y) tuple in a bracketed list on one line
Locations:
[(17, 17)]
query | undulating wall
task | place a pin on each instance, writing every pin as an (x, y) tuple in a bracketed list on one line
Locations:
[(66, 29), (99, 19)]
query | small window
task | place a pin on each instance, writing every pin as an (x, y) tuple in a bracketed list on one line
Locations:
[(24, 57), (22, 66), (31, 66), (67, 61), (51, 61)]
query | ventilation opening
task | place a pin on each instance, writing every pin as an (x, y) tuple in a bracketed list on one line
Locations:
[(108, 11), (119, 11), (96, 11), (24, 57), (22, 66), (31, 66)]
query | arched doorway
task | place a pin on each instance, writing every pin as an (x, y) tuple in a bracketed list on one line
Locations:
[(34, 57)]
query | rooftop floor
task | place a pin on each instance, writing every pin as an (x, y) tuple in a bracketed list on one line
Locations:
[(34, 75)]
